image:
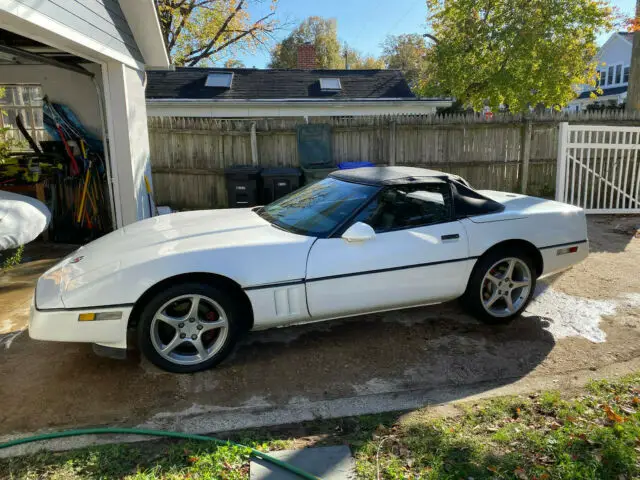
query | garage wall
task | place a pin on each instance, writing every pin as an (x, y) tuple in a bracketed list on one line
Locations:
[(129, 140), (99, 20), (62, 86)]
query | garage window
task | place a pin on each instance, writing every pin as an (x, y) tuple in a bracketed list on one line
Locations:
[(24, 100)]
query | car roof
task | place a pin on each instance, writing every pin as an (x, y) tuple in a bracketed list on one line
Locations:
[(390, 175)]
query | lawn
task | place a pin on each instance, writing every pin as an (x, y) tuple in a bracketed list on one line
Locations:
[(595, 435)]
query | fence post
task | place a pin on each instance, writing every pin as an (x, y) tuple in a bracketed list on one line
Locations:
[(392, 142), (254, 144), (527, 130), (561, 168)]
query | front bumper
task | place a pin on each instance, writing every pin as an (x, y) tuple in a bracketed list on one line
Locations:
[(62, 325)]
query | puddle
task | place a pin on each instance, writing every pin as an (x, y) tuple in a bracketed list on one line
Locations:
[(571, 316)]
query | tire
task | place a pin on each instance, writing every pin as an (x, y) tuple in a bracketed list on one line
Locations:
[(180, 338), (488, 284)]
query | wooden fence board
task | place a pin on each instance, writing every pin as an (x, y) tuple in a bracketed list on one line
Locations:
[(189, 155)]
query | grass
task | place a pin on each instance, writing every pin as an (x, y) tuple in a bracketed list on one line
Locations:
[(12, 261), (544, 436)]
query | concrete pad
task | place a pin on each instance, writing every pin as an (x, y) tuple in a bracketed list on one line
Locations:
[(327, 463)]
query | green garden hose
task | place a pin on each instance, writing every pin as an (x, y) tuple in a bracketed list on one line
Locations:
[(156, 433)]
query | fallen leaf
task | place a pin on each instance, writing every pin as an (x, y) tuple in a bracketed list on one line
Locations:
[(636, 401), (611, 415), (520, 473), (493, 469), (571, 419), (544, 476), (555, 426), (492, 429), (627, 410), (192, 459)]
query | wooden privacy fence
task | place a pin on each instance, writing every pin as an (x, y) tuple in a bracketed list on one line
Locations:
[(506, 152)]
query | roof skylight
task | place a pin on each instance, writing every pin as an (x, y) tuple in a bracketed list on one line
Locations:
[(330, 84), (219, 80)]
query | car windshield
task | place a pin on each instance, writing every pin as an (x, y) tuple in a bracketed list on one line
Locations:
[(317, 209)]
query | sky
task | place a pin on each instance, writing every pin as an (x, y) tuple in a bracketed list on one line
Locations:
[(363, 24)]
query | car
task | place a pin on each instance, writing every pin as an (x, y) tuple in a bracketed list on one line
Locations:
[(364, 240)]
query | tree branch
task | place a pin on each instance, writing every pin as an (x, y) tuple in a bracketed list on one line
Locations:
[(209, 50)]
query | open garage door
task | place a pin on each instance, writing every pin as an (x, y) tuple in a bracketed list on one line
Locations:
[(54, 118)]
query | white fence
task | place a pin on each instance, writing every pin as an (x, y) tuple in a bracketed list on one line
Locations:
[(598, 168)]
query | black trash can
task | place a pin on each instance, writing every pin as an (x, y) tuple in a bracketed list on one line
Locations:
[(243, 185), (278, 182)]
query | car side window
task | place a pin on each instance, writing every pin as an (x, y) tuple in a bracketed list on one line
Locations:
[(408, 206)]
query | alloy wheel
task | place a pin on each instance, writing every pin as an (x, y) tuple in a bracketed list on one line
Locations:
[(189, 329), (506, 287)]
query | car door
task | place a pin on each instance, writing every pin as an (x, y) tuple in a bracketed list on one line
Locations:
[(419, 255)]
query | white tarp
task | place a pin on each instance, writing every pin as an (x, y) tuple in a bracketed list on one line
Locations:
[(22, 219)]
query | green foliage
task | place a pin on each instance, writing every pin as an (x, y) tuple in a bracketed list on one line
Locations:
[(205, 31), (322, 33), (358, 61), (510, 52), (180, 460), (14, 260), (406, 53)]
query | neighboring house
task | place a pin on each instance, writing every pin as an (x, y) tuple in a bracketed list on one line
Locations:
[(614, 59), (303, 92), (90, 55)]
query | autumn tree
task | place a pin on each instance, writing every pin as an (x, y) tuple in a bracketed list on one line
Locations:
[(633, 94), (322, 33), (406, 53), (355, 60), (513, 52), (205, 31)]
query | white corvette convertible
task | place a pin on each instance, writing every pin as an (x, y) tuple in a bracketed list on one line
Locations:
[(360, 241)]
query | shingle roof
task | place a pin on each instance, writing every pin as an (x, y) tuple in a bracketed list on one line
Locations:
[(606, 91), (251, 84)]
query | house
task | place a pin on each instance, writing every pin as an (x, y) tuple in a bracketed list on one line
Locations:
[(91, 56), (614, 59), (302, 92)]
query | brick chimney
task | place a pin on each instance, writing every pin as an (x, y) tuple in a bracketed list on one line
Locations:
[(307, 56)]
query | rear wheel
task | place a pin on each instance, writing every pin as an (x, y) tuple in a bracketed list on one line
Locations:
[(501, 286), (188, 327)]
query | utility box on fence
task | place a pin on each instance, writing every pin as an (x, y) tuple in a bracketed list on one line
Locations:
[(278, 182), (243, 185)]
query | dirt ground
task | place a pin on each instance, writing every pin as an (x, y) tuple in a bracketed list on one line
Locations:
[(584, 320)]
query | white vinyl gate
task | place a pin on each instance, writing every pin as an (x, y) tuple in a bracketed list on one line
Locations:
[(598, 168)]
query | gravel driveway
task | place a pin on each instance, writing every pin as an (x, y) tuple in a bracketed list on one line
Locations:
[(584, 322)]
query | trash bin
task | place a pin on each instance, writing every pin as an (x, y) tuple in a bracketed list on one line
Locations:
[(349, 165), (243, 185), (313, 175), (278, 182)]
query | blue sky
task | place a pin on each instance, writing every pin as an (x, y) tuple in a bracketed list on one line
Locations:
[(363, 24)]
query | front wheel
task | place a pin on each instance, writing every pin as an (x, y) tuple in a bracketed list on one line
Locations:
[(188, 327), (500, 287)]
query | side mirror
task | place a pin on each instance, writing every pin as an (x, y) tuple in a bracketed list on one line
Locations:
[(359, 232)]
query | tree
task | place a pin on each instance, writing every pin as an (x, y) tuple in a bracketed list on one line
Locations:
[(322, 33), (354, 60), (199, 31), (406, 53), (234, 63), (633, 94), (514, 52)]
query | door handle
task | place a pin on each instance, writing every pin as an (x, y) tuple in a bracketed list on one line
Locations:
[(451, 236)]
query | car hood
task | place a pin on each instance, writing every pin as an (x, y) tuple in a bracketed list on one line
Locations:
[(184, 230), (166, 235)]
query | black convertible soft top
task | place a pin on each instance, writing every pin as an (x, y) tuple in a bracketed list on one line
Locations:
[(467, 202)]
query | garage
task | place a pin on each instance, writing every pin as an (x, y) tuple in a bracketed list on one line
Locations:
[(74, 78)]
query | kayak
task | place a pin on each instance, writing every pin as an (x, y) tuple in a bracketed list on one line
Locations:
[(22, 219)]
